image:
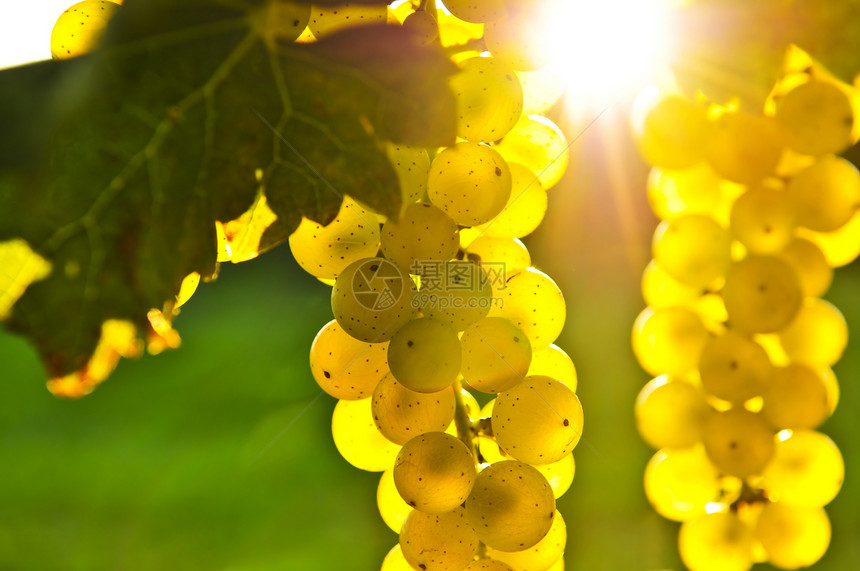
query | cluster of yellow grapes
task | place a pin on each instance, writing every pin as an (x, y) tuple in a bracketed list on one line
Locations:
[(441, 349), (756, 209)]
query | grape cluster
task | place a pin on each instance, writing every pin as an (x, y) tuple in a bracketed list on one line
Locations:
[(441, 348), (756, 210)]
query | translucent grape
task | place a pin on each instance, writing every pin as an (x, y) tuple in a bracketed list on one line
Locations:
[(808, 261), (559, 474), (659, 289), (525, 208), (326, 20), (552, 361), (745, 148), (477, 11), (763, 220), (738, 442), (412, 165), (734, 367), (438, 542), (500, 258), (807, 469), (826, 194), (671, 131), (693, 249), (344, 367), (462, 296), (422, 234), (542, 555), (716, 542), (489, 99), (538, 421), (423, 26), (394, 561), (434, 472), (538, 144), (841, 246), (517, 40), (793, 536), (817, 335), (817, 118), (668, 340), (391, 506), (401, 414), (671, 413), (796, 398), (470, 182), (455, 32), (281, 21), (532, 301), (357, 438), (762, 294), (488, 565), (424, 355), (79, 28), (694, 190), (496, 355), (511, 506), (679, 483)]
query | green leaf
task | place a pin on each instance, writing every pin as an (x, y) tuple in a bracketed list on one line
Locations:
[(119, 163)]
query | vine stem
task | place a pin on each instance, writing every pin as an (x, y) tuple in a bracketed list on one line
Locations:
[(462, 421)]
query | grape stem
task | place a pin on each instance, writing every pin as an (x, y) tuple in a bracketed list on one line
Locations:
[(462, 421)]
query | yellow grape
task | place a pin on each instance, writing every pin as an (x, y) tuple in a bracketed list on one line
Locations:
[(694, 190), (501, 258), (423, 235), (326, 20), (496, 355), (796, 398), (552, 361), (542, 89), (488, 565), (659, 289), (817, 335), (460, 297), (807, 469), (716, 542), (542, 555), (423, 26), (438, 542), (357, 438), (78, 29), (668, 340), (532, 301), (734, 367), (281, 21), (489, 449), (808, 261), (455, 32), (793, 536), (477, 11), (826, 194), (841, 246), (401, 414), (745, 148), (538, 144), (412, 165), (671, 131), (694, 249), (489, 99), (518, 40), (424, 355), (525, 208), (559, 474), (762, 294), (817, 118), (679, 483), (345, 367), (394, 561), (763, 220), (391, 506), (511, 506), (538, 421), (738, 442), (671, 413), (434, 472)]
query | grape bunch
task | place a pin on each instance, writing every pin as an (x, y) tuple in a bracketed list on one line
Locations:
[(756, 211), (441, 349)]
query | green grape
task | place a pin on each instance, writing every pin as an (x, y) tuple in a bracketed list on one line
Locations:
[(488, 565), (841, 246), (680, 483), (525, 208), (793, 536), (344, 367), (671, 131), (694, 249), (459, 297), (412, 165), (489, 99), (489, 449), (477, 11), (559, 474), (372, 299), (716, 542), (539, 145), (694, 190), (826, 194), (745, 148), (538, 421), (281, 21), (394, 561), (817, 335), (470, 182), (423, 236), (496, 355), (401, 414), (763, 220), (762, 294), (391, 506), (325, 250), (434, 472), (660, 290), (738, 442), (423, 26), (734, 367), (671, 413), (807, 469), (808, 261), (551, 361), (534, 303), (796, 398), (357, 438), (438, 542), (326, 20), (79, 28), (511, 506), (542, 555), (424, 355), (518, 40), (817, 118), (668, 340), (500, 258)]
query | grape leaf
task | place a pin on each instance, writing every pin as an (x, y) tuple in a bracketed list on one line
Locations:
[(116, 166)]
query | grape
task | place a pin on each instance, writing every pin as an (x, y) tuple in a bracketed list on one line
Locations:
[(817, 335), (394, 561), (745, 148), (357, 438), (542, 89), (488, 565), (812, 269), (438, 542), (668, 340), (79, 28), (796, 398), (807, 469), (424, 355), (694, 190), (716, 542), (470, 182), (538, 421), (738, 442), (422, 236), (525, 208), (763, 220), (793, 536), (511, 506), (325, 251), (496, 355), (734, 367), (539, 145), (826, 194), (281, 21), (552, 361), (671, 131), (671, 413), (762, 294), (501, 258), (372, 299), (559, 474), (423, 26), (344, 367), (542, 555), (659, 289), (817, 118), (693, 249), (326, 20), (477, 11), (679, 483), (534, 303), (455, 32), (391, 506), (434, 472), (460, 297), (489, 99), (841, 246), (518, 40), (401, 414), (412, 165)]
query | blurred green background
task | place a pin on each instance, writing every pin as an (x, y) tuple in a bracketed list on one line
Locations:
[(218, 456)]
